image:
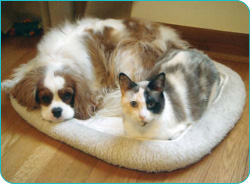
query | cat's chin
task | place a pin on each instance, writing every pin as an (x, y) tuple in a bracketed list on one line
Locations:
[(142, 123)]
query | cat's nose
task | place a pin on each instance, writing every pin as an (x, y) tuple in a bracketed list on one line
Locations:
[(142, 117)]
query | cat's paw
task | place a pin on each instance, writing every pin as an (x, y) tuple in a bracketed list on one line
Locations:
[(175, 136), (178, 131)]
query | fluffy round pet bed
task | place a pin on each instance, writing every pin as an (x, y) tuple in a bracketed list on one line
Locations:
[(104, 139)]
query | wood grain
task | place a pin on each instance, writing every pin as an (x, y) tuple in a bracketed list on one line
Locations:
[(214, 40), (31, 156)]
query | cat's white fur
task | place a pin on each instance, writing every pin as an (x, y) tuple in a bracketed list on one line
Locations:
[(162, 126)]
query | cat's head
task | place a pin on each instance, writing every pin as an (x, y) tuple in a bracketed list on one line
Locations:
[(142, 102)]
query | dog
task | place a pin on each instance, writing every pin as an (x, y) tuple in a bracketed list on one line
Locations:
[(78, 62)]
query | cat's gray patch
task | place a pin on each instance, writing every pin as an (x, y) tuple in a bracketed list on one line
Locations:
[(175, 68), (167, 56), (175, 101), (200, 82), (200, 75)]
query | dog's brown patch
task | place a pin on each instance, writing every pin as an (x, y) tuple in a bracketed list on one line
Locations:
[(143, 43), (82, 94), (145, 57), (100, 47), (67, 95), (142, 30), (25, 90), (43, 95)]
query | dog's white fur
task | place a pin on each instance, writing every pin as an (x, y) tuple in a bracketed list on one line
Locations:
[(65, 47)]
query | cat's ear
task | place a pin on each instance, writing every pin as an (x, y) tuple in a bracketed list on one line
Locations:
[(158, 83), (126, 83)]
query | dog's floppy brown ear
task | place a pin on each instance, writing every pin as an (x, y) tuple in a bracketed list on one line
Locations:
[(83, 97), (25, 90)]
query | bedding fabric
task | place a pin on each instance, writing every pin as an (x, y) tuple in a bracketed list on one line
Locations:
[(104, 139)]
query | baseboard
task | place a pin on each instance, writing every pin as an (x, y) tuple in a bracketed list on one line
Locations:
[(224, 43)]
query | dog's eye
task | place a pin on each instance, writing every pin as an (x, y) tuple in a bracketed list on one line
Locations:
[(66, 96), (46, 99), (134, 104), (151, 104)]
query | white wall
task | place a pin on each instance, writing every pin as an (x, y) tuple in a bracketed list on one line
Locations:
[(225, 16)]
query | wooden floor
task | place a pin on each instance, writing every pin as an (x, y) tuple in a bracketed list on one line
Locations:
[(28, 155)]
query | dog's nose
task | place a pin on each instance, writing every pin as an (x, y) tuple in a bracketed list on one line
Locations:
[(57, 112)]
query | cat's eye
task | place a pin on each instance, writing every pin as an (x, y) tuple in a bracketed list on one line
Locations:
[(151, 104), (134, 104), (46, 99)]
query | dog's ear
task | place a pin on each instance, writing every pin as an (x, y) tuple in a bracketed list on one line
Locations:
[(26, 89), (83, 97)]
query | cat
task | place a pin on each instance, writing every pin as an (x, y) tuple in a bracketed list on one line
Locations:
[(181, 87)]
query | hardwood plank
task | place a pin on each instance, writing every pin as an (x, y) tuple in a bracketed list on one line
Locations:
[(27, 56), (103, 171), (28, 156), (227, 57), (8, 113), (216, 41), (72, 166), (17, 129), (21, 56), (10, 43), (123, 175), (246, 173)]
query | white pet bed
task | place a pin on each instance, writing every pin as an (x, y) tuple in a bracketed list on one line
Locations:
[(104, 139)]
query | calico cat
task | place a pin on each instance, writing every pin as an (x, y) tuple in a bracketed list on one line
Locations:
[(180, 88)]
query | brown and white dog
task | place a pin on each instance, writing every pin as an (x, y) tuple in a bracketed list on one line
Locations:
[(76, 62)]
